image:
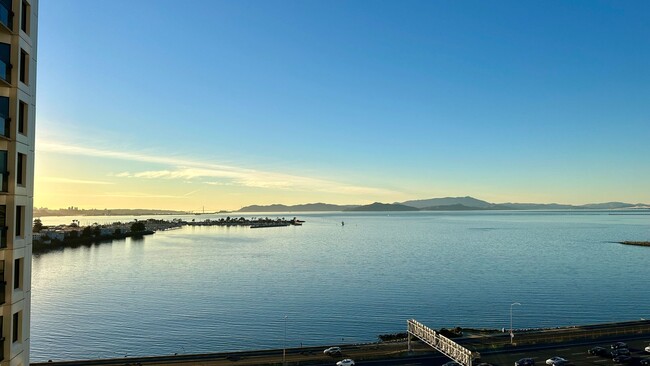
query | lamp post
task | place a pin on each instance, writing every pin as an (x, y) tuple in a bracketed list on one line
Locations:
[(512, 335), (284, 349)]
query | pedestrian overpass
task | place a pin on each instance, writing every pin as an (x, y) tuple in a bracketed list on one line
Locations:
[(440, 343)]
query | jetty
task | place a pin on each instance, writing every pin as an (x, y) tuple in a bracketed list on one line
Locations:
[(637, 243), (48, 238), (242, 221)]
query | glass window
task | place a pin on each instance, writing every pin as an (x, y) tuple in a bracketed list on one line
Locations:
[(5, 121), (2, 283), (21, 166), (5, 62), (19, 220), (17, 276), (24, 65), (24, 17), (6, 15), (3, 228), (4, 173), (23, 113), (16, 327)]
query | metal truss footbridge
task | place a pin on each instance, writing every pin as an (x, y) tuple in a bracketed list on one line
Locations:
[(441, 343)]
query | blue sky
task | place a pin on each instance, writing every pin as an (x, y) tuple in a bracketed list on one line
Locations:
[(168, 104)]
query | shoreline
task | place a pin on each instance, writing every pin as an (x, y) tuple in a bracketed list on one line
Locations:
[(38, 247)]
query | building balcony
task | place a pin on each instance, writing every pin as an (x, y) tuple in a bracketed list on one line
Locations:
[(3, 236), (5, 72), (4, 183), (5, 127), (3, 289), (6, 16)]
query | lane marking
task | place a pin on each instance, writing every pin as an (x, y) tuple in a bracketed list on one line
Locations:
[(605, 360), (564, 349), (577, 353)]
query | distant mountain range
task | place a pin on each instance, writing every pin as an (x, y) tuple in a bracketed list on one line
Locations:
[(442, 204), (296, 208)]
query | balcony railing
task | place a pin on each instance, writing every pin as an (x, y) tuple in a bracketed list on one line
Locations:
[(4, 183), (3, 236), (5, 71), (6, 16), (5, 126)]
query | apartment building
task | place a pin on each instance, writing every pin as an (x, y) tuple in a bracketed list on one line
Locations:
[(18, 29)]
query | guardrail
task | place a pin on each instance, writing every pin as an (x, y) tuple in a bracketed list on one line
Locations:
[(569, 334)]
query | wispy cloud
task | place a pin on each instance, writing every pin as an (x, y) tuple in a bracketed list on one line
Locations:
[(73, 181), (186, 169)]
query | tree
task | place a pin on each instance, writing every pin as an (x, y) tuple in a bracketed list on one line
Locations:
[(38, 226), (138, 226)]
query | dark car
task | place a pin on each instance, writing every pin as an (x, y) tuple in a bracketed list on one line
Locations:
[(525, 362), (618, 345), (598, 351), (451, 363), (622, 359), (644, 362), (621, 352)]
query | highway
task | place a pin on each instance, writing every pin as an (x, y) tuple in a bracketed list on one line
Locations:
[(495, 349)]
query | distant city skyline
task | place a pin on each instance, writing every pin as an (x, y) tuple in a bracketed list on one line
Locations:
[(148, 104)]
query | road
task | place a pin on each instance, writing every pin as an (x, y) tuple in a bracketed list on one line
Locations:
[(576, 354), (495, 349)]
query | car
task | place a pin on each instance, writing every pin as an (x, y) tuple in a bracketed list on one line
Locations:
[(556, 361), (332, 351), (525, 362), (644, 362), (620, 352), (598, 351), (345, 362), (618, 345), (451, 363), (647, 349), (622, 359)]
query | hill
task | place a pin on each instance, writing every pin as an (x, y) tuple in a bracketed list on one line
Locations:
[(456, 207), (448, 201), (383, 207), (295, 208)]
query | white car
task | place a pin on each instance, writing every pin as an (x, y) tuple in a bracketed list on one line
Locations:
[(346, 362), (332, 351), (556, 361), (647, 349)]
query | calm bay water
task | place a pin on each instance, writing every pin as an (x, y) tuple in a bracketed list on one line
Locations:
[(210, 289)]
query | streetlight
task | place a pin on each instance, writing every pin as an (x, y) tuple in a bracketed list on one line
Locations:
[(284, 349), (512, 335)]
